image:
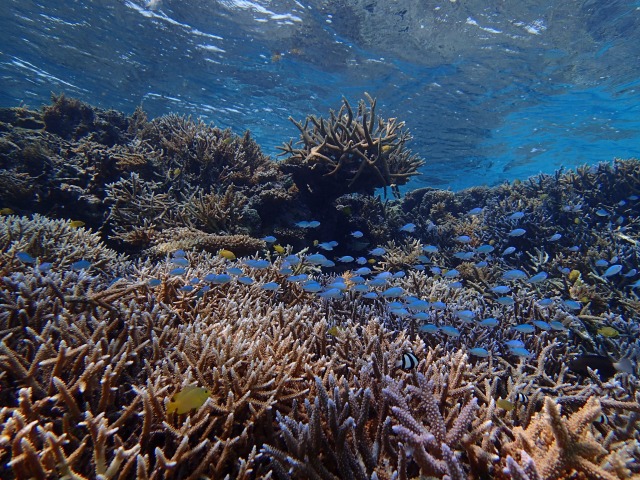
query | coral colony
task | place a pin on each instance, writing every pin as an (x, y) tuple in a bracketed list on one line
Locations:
[(175, 304)]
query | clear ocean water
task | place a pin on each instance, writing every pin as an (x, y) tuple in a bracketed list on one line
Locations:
[(490, 93)]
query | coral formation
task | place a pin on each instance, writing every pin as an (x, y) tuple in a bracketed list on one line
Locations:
[(518, 304), (351, 152)]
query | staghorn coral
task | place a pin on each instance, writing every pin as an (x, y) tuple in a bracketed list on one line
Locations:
[(173, 239), (351, 152), (559, 447)]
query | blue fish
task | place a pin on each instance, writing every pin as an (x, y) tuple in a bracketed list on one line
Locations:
[(361, 261), (466, 316), (501, 289), (312, 287), (361, 288), (298, 278), (490, 322), (408, 228), (479, 352), (292, 260), (514, 344), (393, 292), (370, 295), (524, 328), (377, 252), (84, 265), (517, 232), (24, 257), (438, 305), (421, 316), (346, 259), (486, 248), (257, 264), (179, 253), (357, 234), (270, 286), (612, 270), (154, 282), (463, 239), (572, 304), (516, 215), (475, 211), (481, 264), (514, 275), (450, 331), (538, 277), (555, 237), (46, 266), (556, 325), (542, 325), (234, 271), (331, 293), (507, 301), (430, 249), (186, 288), (521, 352), (545, 302), (508, 251), (453, 273), (269, 239), (180, 261), (315, 259), (362, 271), (429, 328)]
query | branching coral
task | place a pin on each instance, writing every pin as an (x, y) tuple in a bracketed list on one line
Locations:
[(350, 152)]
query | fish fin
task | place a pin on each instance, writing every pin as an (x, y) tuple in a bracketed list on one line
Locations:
[(625, 365)]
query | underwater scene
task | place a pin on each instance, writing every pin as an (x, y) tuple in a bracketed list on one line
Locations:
[(325, 240)]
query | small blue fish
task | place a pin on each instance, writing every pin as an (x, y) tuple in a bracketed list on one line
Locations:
[(393, 292), (315, 259), (314, 224), (486, 248), (257, 264), (312, 287), (400, 312), (46, 266), (361, 288), (292, 260), (475, 211), (430, 249), (422, 316), (384, 275), (572, 304), (429, 328), (612, 270), (538, 277), (464, 255), (524, 328), (361, 261), (179, 253), (154, 282), (179, 261), (629, 274), (601, 212), (455, 285), (357, 234), (450, 331), (514, 275), (285, 271), (545, 302), (514, 344), (516, 216), (479, 352), (339, 284), (490, 322), (521, 352), (542, 325), (346, 259), (377, 252), (399, 274), (377, 282), (453, 273), (186, 288), (463, 239), (408, 228), (328, 246), (331, 293), (234, 271), (517, 232), (362, 271), (556, 325), (508, 251), (24, 257), (555, 237), (419, 305), (574, 248), (269, 239), (506, 301), (466, 316), (270, 286), (84, 265), (298, 278), (424, 259), (501, 289), (436, 270), (482, 264), (370, 295), (438, 305), (601, 263)]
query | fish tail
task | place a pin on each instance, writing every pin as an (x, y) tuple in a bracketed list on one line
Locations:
[(625, 365)]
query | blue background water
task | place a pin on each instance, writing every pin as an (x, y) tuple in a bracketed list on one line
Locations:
[(489, 92)]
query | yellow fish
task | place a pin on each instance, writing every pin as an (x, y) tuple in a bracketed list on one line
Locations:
[(187, 399), (334, 331), (371, 261), (505, 404), (608, 332), (386, 148), (278, 248), (228, 254), (76, 223), (6, 211)]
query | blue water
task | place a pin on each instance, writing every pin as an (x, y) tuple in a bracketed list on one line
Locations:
[(490, 93)]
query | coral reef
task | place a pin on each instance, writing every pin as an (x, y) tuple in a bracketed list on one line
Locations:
[(517, 306)]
